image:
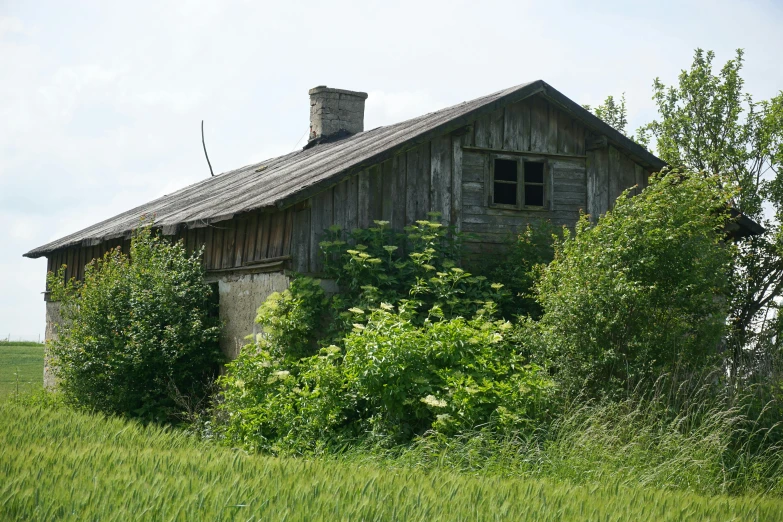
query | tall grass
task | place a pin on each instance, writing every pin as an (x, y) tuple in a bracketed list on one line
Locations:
[(21, 368), (57, 464), (696, 436)]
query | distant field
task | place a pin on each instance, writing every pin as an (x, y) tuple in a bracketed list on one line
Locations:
[(26, 359), (65, 465)]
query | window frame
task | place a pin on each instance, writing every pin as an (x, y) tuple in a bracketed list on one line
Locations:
[(521, 161)]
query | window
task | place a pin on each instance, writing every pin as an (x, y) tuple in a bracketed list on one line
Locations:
[(534, 184), (506, 182), (517, 184)]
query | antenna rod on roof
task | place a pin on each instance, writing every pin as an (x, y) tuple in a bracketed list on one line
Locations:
[(205, 148)]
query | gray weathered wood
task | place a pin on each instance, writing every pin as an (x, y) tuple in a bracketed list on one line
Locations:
[(539, 124), (597, 182), (516, 134), (496, 128), (481, 131), (456, 182), (398, 174), (262, 236), (276, 233), (473, 193), (579, 138), (417, 183), (375, 203), (565, 134), (387, 191), (363, 204), (321, 218), (351, 205), (530, 154), (440, 177), (250, 236), (239, 244), (595, 141), (288, 231), (340, 206), (473, 166), (489, 129), (616, 185), (301, 241), (554, 121)]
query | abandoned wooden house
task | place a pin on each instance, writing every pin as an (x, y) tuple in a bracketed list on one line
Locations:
[(489, 167)]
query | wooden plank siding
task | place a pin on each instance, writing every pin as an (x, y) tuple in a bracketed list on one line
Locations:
[(234, 243), (448, 174)]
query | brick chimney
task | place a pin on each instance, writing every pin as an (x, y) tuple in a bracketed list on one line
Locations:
[(335, 113)]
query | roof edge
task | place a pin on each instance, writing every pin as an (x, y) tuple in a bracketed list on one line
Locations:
[(511, 95), (597, 124), (519, 93)]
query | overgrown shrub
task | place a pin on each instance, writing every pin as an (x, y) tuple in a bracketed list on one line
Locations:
[(517, 268), (391, 380), (138, 334), (378, 265), (411, 343), (641, 292)]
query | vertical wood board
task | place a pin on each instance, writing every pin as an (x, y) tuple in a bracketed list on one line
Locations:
[(417, 181), (539, 124), (516, 133), (440, 177)]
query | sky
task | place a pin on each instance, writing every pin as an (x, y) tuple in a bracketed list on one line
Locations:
[(101, 102)]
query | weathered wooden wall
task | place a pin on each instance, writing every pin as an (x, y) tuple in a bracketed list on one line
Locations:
[(400, 190), (609, 173), (535, 128), (447, 174), (233, 244)]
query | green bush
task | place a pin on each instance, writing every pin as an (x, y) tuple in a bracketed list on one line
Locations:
[(139, 335), (410, 344), (517, 268), (393, 380), (641, 292), (419, 266)]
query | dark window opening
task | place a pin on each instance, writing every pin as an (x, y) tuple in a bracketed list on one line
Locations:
[(505, 182), (534, 184)]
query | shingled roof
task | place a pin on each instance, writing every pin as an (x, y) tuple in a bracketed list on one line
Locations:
[(282, 181)]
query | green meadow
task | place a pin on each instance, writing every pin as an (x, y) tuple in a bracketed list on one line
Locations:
[(21, 368), (57, 464)]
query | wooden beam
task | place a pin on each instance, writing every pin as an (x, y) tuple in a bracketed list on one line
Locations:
[(523, 153)]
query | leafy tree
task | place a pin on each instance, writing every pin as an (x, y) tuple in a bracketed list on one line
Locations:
[(708, 124), (639, 292), (612, 112), (138, 335)]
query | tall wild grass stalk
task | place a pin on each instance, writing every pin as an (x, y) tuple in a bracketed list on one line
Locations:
[(57, 464), (696, 435)]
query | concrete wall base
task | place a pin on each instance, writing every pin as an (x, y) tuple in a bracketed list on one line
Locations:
[(53, 319), (240, 296)]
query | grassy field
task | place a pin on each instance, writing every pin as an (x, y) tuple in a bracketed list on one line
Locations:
[(61, 465), (24, 360)]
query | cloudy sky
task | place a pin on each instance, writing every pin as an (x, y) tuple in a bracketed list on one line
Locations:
[(100, 102)]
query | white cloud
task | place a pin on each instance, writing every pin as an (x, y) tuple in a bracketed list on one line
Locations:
[(384, 107), (11, 25)]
